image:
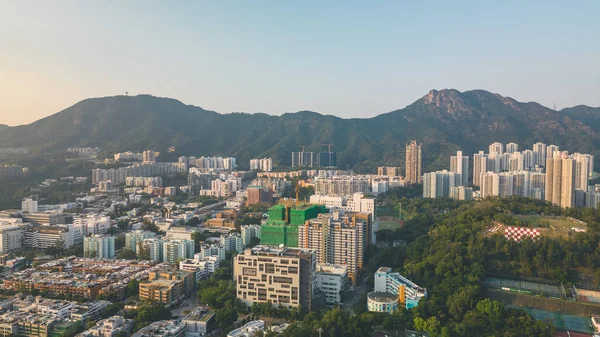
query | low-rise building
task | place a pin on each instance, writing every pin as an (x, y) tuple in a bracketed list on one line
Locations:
[(248, 330), (162, 329), (332, 280), (169, 287), (203, 267), (407, 293), (109, 327), (199, 322), (382, 302)]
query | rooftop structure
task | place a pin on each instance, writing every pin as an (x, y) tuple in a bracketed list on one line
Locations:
[(248, 330), (161, 329)]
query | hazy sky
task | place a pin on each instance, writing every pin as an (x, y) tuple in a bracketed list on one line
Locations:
[(351, 59)]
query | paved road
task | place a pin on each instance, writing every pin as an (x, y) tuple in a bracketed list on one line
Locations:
[(188, 304)]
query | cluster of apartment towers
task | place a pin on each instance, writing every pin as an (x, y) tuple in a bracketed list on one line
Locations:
[(544, 173)]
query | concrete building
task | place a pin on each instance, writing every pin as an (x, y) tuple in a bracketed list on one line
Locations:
[(180, 233), (174, 250), (560, 180), (355, 203), (551, 149), (162, 329), (42, 237), (207, 250), (285, 277), (232, 242), (29, 205), (495, 149), (99, 246), (512, 148), (584, 168), (461, 193), (11, 238), (439, 184), (460, 164), (109, 327), (479, 166), (149, 156), (133, 238), (332, 281), (199, 322), (413, 163), (382, 302), (264, 164), (341, 185), (539, 154), (47, 218), (407, 293), (337, 239), (203, 267), (388, 171), (169, 287), (144, 181), (93, 223), (153, 247), (258, 195), (249, 232), (249, 329)]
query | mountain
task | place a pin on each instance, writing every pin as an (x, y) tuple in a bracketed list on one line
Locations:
[(585, 114), (444, 121), (3, 126)]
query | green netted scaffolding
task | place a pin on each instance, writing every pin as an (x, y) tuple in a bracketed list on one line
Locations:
[(282, 226)]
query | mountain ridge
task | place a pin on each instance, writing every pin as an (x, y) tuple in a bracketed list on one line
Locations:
[(444, 120)]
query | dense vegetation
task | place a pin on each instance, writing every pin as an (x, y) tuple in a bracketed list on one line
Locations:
[(445, 121), (447, 254)]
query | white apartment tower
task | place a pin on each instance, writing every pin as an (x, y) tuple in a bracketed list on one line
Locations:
[(495, 149), (460, 164), (29, 206), (539, 150)]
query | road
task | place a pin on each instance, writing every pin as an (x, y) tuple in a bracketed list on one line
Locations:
[(188, 304)]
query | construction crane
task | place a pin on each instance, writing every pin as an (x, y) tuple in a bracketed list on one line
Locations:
[(329, 146)]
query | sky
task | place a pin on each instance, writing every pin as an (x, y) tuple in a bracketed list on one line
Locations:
[(345, 58)]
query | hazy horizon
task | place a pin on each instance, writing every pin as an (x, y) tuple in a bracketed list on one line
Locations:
[(348, 59)]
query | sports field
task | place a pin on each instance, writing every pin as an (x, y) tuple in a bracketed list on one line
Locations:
[(388, 222), (551, 226), (561, 321)]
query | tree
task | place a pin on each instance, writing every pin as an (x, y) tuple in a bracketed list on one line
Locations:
[(226, 316), (126, 254)]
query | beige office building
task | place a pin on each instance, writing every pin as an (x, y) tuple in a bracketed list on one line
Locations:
[(285, 277)]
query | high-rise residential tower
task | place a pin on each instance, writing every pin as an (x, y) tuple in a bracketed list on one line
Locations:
[(460, 164), (413, 163)]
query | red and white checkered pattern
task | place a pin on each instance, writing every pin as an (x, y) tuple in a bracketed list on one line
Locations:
[(519, 233)]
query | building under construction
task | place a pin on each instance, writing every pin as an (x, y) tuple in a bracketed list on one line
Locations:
[(282, 226)]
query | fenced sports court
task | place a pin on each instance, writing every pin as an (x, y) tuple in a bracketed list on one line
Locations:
[(563, 322), (525, 287)]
